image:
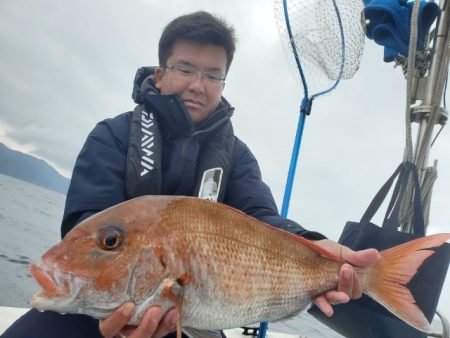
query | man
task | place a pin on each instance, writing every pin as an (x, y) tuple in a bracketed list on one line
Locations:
[(179, 135)]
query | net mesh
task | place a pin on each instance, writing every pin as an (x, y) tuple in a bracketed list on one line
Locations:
[(322, 40)]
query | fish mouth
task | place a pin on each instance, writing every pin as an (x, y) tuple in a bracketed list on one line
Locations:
[(41, 273), (58, 286), (65, 292)]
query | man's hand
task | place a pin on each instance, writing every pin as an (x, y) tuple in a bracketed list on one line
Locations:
[(152, 325), (349, 286)]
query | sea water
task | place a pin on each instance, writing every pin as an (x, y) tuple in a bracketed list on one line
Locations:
[(30, 219)]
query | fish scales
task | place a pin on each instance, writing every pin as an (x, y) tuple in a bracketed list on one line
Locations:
[(239, 263)]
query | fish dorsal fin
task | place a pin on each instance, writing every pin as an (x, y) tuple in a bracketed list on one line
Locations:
[(306, 242), (317, 248)]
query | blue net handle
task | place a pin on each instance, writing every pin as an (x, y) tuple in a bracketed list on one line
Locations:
[(289, 184)]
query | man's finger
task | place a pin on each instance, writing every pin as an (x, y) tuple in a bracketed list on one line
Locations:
[(111, 326), (148, 325), (324, 306), (361, 258), (357, 287), (346, 277), (335, 297), (167, 325)]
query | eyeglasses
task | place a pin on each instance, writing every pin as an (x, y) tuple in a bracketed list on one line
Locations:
[(189, 72)]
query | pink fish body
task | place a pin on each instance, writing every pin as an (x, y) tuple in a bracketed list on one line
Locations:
[(220, 268)]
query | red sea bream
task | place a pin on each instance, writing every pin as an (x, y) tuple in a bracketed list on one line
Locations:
[(219, 267)]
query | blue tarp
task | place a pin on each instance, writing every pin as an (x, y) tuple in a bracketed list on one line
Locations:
[(388, 24)]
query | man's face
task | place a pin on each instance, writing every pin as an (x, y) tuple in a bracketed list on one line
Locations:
[(201, 94)]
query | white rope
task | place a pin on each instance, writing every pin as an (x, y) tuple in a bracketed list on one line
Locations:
[(429, 173), (411, 70), (404, 212), (426, 192), (435, 113)]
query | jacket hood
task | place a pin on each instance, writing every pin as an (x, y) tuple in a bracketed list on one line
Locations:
[(144, 82)]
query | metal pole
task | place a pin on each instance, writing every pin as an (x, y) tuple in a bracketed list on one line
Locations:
[(439, 65), (429, 112)]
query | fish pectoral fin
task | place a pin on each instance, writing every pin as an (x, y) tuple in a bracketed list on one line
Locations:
[(174, 291)]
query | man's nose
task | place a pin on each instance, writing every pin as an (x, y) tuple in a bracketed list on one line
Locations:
[(197, 82)]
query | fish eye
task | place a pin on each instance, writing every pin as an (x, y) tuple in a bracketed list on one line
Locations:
[(110, 237)]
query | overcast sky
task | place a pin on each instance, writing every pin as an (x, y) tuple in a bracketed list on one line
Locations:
[(65, 65)]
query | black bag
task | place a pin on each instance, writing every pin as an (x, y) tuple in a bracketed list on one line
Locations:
[(364, 317)]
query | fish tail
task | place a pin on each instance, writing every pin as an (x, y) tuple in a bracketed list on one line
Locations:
[(385, 281)]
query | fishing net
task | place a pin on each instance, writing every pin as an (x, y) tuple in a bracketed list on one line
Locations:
[(324, 39)]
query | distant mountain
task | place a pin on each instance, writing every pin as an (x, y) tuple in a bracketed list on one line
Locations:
[(31, 169)]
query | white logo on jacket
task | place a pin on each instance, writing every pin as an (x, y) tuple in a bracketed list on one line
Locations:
[(147, 143)]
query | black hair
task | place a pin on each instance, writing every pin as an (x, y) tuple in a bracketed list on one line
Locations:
[(198, 27)]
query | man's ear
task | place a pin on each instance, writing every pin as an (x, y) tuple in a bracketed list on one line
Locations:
[(158, 77)]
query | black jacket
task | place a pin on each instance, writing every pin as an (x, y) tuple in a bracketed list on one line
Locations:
[(98, 179)]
